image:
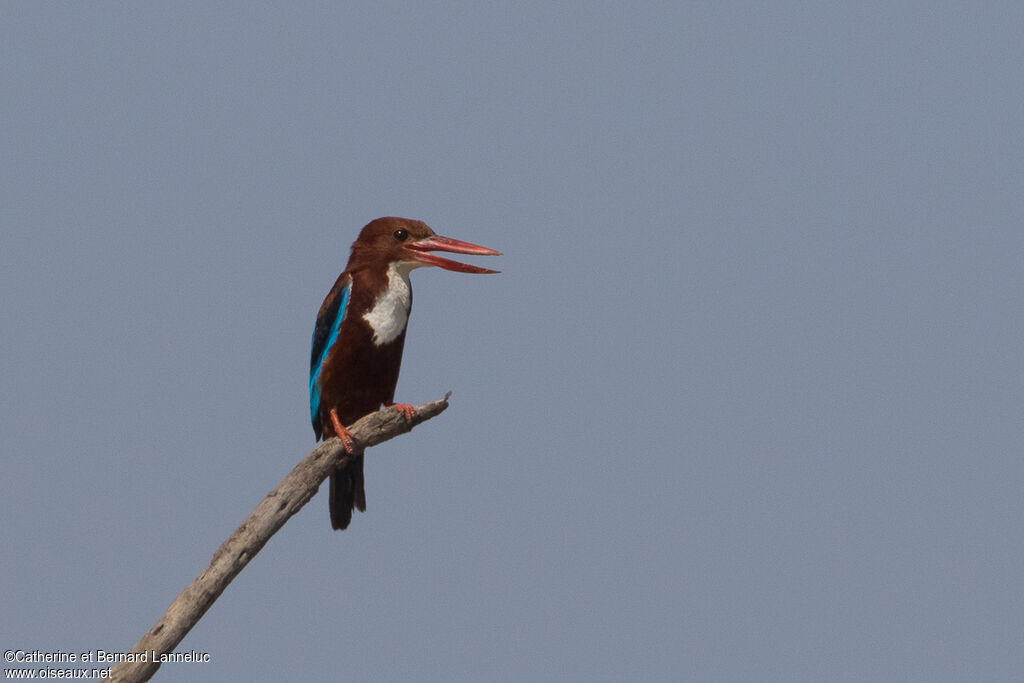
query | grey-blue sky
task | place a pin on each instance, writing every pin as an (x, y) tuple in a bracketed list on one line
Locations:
[(744, 404)]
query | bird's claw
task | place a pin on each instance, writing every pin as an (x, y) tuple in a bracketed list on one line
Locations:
[(405, 409), (341, 432)]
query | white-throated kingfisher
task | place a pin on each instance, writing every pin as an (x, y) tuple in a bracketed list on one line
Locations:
[(359, 335)]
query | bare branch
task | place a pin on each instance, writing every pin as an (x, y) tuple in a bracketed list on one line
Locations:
[(291, 494)]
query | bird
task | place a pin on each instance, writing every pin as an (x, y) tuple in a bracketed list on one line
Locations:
[(359, 336)]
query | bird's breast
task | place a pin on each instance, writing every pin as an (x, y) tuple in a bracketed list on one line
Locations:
[(389, 313)]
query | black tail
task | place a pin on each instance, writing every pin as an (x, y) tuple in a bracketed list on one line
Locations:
[(347, 493)]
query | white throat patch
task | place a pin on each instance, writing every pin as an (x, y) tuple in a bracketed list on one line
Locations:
[(390, 311)]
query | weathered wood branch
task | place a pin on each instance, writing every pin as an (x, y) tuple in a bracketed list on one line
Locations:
[(291, 494)]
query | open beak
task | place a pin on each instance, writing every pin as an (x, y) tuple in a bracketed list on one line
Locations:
[(438, 243)]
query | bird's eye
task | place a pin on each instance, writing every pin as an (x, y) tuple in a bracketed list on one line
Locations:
[(400, 235)]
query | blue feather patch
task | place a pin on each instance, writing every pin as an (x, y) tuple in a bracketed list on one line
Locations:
[(325, 335)]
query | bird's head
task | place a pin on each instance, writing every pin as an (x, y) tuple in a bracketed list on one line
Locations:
[(409, 242)]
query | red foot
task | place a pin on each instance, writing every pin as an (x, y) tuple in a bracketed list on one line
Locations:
[(404, 409), (341, 432)]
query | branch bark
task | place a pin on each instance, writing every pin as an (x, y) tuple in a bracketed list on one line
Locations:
[(294, 491)]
